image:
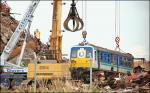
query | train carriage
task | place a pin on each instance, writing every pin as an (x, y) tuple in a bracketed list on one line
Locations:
[(102, 59)]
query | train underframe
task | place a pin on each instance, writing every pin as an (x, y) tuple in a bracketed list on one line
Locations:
[(83, 74)]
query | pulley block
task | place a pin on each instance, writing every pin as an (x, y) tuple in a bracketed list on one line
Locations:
[(117, 40)]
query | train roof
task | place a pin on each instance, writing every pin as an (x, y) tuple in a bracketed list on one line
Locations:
[(111, 51), (106, 50)]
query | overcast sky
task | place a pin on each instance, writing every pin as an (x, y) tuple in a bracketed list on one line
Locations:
[(100, 24)]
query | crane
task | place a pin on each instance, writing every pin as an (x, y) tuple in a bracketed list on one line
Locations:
[(18, 72), (16, 35), (56, 38), (15, 71)]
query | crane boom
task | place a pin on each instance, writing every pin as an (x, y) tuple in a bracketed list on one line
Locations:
[(56, 38), (16, 35)]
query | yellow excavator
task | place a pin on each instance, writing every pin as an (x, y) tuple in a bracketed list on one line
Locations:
[(56, 37), (14, 74), (53, 68)]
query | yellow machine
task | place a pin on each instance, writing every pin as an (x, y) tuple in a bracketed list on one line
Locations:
[(58, 69), (56, 38), (81, 56), (50, 69), (47, 68)]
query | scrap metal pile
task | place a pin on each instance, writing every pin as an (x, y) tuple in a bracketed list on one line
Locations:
[(138, 81), (8, 26)]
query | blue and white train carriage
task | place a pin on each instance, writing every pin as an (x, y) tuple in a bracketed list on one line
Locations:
[(102, 58)]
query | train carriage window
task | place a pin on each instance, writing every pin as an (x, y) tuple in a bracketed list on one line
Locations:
[(108, 58), (104, 57), (89, 52), (74, 54), (123, 61), (130, 63), (120, 60), (115, 59), (127, 64), (126, 61), (112, 59)]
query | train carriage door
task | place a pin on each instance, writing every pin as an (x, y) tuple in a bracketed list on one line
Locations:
[(120, 60), (112, 60), (98, 58), (108, 58), (95, 59), (95, 55), (101, 53), (102, 56), (116, 59)]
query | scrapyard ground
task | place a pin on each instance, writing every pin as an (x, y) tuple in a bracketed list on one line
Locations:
[(68, 86), (102, 86)]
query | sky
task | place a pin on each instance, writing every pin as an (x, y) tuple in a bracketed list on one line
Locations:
[(99, 18)]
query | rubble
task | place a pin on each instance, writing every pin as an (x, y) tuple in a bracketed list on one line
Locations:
[(7, 26), (138, 82)]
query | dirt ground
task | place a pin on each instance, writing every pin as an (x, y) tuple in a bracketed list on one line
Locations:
[(72, 86)]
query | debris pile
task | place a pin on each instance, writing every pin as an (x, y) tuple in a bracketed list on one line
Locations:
[(139, 80), (8, 26), (5, 9)]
